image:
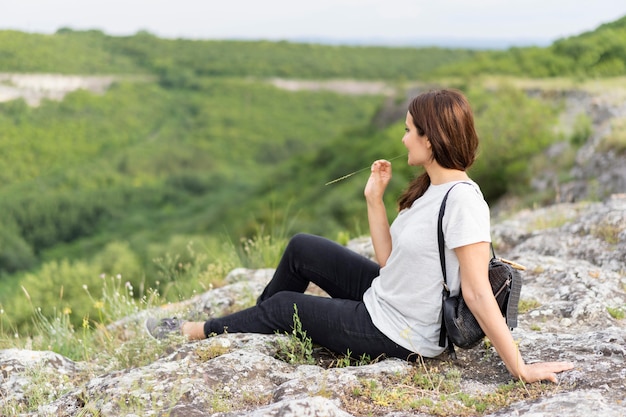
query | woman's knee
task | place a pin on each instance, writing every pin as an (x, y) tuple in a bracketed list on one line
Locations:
[(299, 240), (304, 243), (300, 246), (280, 309)]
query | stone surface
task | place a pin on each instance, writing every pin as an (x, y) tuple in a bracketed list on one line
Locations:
[(36, 87)]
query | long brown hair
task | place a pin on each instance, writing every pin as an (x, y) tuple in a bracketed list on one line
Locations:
[(445, 117)]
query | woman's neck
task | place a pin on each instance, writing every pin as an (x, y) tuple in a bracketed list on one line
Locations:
[(439, 175)]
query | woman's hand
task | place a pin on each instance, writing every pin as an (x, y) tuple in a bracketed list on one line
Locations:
[(544, 371), (378, 180), (376, 212), (473, 261)]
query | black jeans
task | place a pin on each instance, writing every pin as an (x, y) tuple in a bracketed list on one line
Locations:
[(339, 323)]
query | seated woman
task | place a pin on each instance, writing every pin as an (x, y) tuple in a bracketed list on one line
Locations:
[(392, 307)]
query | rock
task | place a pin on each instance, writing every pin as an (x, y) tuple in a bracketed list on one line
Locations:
[(35, 87), (580, 403), (596, 174), (19, 367)]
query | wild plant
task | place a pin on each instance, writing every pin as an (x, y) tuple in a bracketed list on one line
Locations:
[(298, 347), (617, 313), (616, 140), (348, 360), (183, 274), (432, 390)]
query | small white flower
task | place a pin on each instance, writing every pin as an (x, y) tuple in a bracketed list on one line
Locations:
[(85, 287), (405, 334)]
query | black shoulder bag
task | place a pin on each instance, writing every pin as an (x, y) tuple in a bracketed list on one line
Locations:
[(458, 324)]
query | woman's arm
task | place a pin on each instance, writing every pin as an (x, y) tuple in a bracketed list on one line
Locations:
[(474, 260), (376, 212)]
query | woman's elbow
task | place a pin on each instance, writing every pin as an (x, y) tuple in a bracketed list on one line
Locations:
[(475, 299), (382, 259)]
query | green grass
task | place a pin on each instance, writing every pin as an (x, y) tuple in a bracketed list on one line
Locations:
[(616, 139), (525, 305), (432, 389), (617, 313), (608, 232), (101, 340), (552, 219)]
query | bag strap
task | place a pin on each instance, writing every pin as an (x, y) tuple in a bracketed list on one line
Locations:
[(445, 293), (443, 335), (440, 238)]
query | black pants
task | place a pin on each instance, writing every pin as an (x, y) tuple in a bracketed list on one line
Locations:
[(339, 323)]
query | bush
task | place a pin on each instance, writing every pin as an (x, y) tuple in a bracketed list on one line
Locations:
[(512, 128), (15, 253)]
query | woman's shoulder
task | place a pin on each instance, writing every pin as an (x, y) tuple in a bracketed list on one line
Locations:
[(466, 192), (464, 188), (467, 187), (457, 192)]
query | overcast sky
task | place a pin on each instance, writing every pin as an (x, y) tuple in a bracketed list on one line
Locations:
[(379, 21)]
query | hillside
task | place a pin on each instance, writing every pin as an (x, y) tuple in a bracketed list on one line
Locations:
[(203, 147), (597, 53), (178, 63)]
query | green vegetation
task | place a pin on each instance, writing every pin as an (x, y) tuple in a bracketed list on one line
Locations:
[(179, 63), (297, 349), (608, 232), (433, 389), (617, 313), (513, 129), (525, 305), (600, 53), (616, 140), (348, 360), (581, 129)]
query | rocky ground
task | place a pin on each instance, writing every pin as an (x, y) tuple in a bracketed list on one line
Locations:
[(573, 302), (36, 87)]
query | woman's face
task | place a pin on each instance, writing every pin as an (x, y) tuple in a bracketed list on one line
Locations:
[(419, 147)]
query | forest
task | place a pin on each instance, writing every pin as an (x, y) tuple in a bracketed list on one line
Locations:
[(178, 170)]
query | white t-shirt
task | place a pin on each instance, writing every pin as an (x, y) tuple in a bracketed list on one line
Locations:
[(404, 301)]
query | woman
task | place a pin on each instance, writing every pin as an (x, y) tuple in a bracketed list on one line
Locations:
[(393, 307)]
